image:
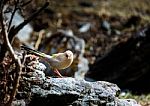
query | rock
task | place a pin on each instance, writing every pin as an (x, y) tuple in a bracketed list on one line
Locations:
[(105, 25), (115, 32), (18, 103), (143, 33), (123, 102), (35, 69), (127, 102), (73, 92), (84, 28), (83, 68), (74, 42)]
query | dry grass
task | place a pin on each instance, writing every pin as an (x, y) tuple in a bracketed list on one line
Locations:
[(124, 8), (127, 8)]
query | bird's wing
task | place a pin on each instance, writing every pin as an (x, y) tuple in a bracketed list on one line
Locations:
[(33, 51), (54, 55)]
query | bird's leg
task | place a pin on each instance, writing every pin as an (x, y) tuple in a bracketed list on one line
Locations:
[(57, 72)]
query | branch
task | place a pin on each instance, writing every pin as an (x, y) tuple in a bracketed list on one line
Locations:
[(17, 60), (17, 79), (15, 30), (40, 36), (1, 4), (5, 35), (26, 3), (12, 15)]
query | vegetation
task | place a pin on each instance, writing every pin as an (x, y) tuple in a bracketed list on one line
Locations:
[(143, 99)]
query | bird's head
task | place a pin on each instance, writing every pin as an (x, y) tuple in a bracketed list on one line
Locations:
[(68, 58), (69, 54)]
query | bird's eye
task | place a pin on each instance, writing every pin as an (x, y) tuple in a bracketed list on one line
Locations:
[(66, 55)]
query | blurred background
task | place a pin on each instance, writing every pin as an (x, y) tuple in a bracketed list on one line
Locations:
[(109, 39)]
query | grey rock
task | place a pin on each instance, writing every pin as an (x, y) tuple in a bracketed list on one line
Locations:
[(127, 102), (82, 68), (115, 32), (40, 66), (38, 69), (85, 28), (105, 25), (18, 103), (73, 92), (76, 43)]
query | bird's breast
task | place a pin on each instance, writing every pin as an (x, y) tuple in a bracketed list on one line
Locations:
[(62, 64)]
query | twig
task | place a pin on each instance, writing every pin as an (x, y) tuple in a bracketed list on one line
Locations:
[(12, 15), (16, 81), (39, 39), (26, 3), (5, 35)]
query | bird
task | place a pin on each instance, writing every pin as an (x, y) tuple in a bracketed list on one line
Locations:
[(57, 61)]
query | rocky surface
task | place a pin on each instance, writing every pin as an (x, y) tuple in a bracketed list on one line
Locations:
[(74, 92), (63, 91)]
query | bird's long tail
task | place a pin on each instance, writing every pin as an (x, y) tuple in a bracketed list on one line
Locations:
[(33, 51)]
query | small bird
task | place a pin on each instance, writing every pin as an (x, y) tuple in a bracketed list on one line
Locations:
[(57, 61)]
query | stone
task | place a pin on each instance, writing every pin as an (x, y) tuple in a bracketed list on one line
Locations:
[(73, 92), (18, 103), (127, 102), (105, 25)]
